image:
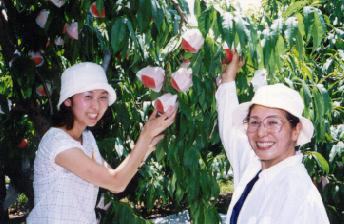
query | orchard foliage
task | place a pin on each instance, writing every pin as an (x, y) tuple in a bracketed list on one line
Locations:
[(299, 43)]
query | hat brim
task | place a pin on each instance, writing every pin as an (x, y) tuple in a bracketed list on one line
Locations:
[(240, 114), (106, 87)]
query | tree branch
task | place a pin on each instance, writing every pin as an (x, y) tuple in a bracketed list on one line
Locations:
[(180, 12), (47, 92), (106, 59)]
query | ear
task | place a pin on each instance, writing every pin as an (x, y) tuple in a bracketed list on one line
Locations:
[(68, 102), (296, 131)]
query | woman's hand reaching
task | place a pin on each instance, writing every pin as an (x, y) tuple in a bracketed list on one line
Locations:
[(156, 125), (152, 132), (232, 68)]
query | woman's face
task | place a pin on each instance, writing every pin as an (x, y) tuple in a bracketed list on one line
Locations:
[(88, 107), (271, 135)]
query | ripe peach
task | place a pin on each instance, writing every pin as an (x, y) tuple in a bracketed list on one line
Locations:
[(24, 143), (94, 11)]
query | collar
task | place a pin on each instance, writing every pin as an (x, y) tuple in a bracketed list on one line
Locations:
[(270, 173)]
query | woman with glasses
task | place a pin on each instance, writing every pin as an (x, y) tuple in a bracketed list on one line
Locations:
[(271, 184)]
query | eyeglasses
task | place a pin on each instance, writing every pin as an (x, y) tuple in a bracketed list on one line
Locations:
[(271, 124)]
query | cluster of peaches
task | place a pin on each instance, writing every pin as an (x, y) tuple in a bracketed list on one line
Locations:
[(181, 80), (71, 30)]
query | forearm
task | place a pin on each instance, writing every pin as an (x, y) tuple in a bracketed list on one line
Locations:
[(226, 100), (236, 145), (129, 166), (151, 135)]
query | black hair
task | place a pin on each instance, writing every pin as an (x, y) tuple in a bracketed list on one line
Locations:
[(63, 117), (291, 118)]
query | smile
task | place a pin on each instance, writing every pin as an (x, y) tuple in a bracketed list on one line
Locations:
[(264, 144), (92, 116)]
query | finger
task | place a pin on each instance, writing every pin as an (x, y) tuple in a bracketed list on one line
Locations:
[(171, 119), (171, 110), (153, 114), (163, 116), (168, 113), (236, 57), (224, 67), (242, 61)]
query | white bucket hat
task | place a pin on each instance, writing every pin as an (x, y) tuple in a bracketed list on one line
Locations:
[(83, 77), (281, 97)]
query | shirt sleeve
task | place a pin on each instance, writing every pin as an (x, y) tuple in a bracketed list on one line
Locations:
[(56, 143), (95, 152), (299, 202), (312, 210), (238, 150)]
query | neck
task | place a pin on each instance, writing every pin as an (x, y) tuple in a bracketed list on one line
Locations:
[(266, 164), (75, 133)]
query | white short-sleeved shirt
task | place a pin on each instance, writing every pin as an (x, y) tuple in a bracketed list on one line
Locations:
[(61, 197), (283, 194)]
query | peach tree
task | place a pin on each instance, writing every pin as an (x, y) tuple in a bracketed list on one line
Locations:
[(299, 43)]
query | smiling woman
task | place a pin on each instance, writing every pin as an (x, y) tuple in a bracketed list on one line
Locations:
[(68, 168), (88, 107), (270, 134), (271, 184)]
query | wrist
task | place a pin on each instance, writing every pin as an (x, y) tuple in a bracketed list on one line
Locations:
[(226, 78), (145, 138)]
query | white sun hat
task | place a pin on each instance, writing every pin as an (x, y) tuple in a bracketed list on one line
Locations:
[(83, 77), (281, 97)]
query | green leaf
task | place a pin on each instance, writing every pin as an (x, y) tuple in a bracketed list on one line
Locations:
[(133, 37), (321, 161), (157, 14), (204, 183), (211, 216), (326, 99), (308, 19), (271, 37), (279, 51), (328, 66), (307, 98), (300, 23), (293, 33), (299, 45), (172, 185), (144, 14), (197, 8), (254, 46), (206, 21), (336, 151), (319, 115), (150, 198), (227, 25), (291, 30), (318, 29), (314, 24), (241, 29), (294, 7), (100, 5), (193, 188), (306, 71), (119, 34), (179, 194)]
